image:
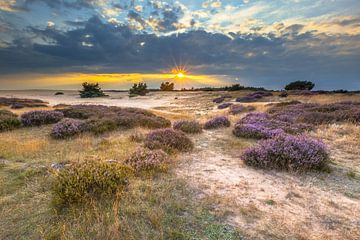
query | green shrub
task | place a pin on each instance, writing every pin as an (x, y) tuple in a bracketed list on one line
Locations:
[(89, 179), (91, 90), (188, 126), (103, 125), (138, 89), (8, 121)]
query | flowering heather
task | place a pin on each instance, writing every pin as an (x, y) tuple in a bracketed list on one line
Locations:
[(188, 126), (41, 117), (237, 109), (67, 127), (224, 105), (217, 122), (147, 160), (287, 152), (252, 97), (169, 140), (218, 100), (262, 126), (256, 131), (8, 121)]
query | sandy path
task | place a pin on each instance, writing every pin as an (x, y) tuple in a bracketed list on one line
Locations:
[(270, 204)]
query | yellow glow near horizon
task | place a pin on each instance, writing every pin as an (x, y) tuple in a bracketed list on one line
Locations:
[(109, 80)]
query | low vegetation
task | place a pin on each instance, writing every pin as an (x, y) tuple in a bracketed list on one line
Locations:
[(224, 105), (40, 117), (286, 152), (217, 122), (187, 126), (17, 103), (89, 179), (237, 109), (148, 161), (168, 140), (91, 90), (8, 121), (253, 97), (67, 127)]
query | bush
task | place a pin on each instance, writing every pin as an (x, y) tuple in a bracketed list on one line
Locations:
[(283, 94), (218, 100), (41, 117), (67, 128), (188, 126), (169, 140), (217, 122), (138, 89), (89, 179), (237, 109), (262, 125), (224, 105), (91, 90), (8, 121), (147, 160), (300, 85), (59, 93), (167, 86), (256, 131), (102, 125), (286, 152)]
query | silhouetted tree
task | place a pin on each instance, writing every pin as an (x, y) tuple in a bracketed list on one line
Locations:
[(300, 85), (91, 90), (138, 89), (167, 86)]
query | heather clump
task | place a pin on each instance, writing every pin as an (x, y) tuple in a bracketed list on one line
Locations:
[(217, 122), (41, 117), (67, 128), (187, 126), (89, 179), (237, 109), (287, 152), (224, 105), (149, 161), (252, 97), (312, 113), (8, 121), (102, 125), (262, 126), (169, 140), (219, 100)]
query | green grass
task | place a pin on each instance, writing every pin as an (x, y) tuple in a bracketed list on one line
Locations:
[(157, 207)]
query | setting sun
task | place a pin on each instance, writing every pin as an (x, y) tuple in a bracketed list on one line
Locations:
[(180, 75)]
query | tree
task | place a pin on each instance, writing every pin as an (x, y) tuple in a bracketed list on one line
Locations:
[(91, 90), (138, 89), (167, 86), (300, 85)]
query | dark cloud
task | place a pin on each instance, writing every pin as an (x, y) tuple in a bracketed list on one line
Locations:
[(268, 60)]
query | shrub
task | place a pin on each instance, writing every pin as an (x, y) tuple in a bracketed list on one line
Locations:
[(80, 181), (188, 126), (147, 160), (167, 86), (22, 102), (294, 153), (102, 125), (169, 140), (59, 93), (256, 131), (218, 100), (91, 90), (8, 121), (224, 105), (152, 122), (217, 122), (41, 117), (67, 128), (137, 137), (138, 89), (237, 109), (300, 85)]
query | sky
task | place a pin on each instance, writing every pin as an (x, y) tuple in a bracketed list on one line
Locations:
[(57, 44)]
